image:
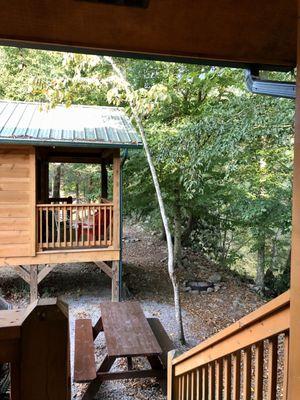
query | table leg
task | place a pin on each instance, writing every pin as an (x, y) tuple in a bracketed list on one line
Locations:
[(157, 364), (97, 328), (129, 364), (94, 386)]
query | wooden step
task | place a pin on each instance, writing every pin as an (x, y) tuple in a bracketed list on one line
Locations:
[(163, 339), (84, 362)]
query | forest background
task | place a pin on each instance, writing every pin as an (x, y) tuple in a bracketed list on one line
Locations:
[(223, 156)]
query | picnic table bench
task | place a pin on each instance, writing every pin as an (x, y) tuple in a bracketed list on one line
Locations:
[(128, 333)]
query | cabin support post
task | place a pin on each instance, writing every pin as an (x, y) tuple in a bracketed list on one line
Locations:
[(116, 225), (115, 289), (33, 283), (294, 353), (104, 181)]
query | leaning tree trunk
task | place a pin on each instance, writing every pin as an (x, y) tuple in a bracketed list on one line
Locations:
[(177, 231), (171, 269)]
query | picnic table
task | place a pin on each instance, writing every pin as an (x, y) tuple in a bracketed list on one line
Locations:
[(128, 333)]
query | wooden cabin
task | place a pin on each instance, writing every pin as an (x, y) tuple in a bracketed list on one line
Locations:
[(39, 230)]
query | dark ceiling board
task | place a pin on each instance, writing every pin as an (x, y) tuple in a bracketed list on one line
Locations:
[(219, 32), (151, 57)]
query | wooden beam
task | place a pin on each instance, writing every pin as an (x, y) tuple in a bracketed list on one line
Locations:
[(205, 30), (294, 353), (63, 257), (33, 283), (45, 271), (23, 273), (84, 159), (105, 268), (150, 373)]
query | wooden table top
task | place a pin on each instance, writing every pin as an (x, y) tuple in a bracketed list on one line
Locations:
[(127, 331)]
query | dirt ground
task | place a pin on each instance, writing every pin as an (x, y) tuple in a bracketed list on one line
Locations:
[(83, 287)]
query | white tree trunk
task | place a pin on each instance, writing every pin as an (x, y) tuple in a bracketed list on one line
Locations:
[(171, 269)]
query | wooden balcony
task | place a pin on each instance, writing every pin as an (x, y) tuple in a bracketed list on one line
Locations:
[(248, 360), (74, 226)]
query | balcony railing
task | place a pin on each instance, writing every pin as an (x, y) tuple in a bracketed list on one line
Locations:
[(248, 360), (71, 226)]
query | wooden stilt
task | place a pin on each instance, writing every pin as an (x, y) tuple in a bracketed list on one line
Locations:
[(115, 290), (33, 283)]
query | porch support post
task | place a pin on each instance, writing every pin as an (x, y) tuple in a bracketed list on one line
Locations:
[(115, 287), (294, 352), (116, 224), (33, 283), (104, 181)]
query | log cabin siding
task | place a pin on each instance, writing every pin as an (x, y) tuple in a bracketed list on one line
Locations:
[(17, 201)]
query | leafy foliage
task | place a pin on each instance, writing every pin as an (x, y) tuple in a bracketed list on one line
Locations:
[(223, 156)]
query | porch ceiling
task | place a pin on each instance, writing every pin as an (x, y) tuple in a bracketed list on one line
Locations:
[(84, 126), (232, 32)]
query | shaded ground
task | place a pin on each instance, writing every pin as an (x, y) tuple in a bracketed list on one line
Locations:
[(145, 276)]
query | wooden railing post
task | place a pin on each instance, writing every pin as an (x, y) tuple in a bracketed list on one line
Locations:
[(170, 372), (294, 363)]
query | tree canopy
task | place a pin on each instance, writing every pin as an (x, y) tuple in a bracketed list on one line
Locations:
[(223, 156)]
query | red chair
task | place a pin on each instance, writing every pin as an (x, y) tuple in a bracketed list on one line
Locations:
[(87, 228)]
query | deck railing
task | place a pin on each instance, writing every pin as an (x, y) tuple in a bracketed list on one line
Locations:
[(248, 360), (74, 226)]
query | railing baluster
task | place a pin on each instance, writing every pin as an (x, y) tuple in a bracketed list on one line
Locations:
[(259, 370), (110, 225), (219, 379), (236, 375), (41, 227), (205, 383), (212, 381), (183, 387), (105, 227), (88, 226), (76, 226), (99, 226), (199, 384), (65, 218), (180, 388), (94, 226), (272, 368), (53, 226), (188, 383), (193, 385), (227, 378), (82, 225), (247, 373), (71, 226), (286, 366), (58, 226), (47, 226)]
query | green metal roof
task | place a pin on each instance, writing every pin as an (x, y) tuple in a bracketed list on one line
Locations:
[(85, 126)]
